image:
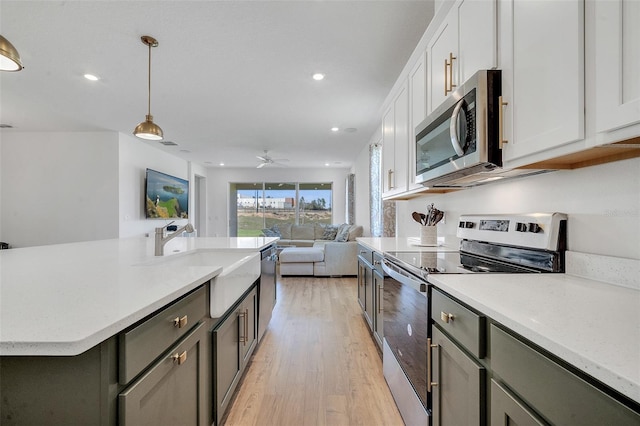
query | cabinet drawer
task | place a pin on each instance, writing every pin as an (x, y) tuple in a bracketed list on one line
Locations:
[(467, 327), (366, 253), (146, 341), (558, 395)]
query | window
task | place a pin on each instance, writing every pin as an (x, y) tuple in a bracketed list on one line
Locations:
[(259, 205)]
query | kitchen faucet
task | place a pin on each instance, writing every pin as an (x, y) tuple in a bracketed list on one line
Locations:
[(161, 240)]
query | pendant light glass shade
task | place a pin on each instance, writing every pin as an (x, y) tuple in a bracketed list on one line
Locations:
[(148, 129), (9, 56)]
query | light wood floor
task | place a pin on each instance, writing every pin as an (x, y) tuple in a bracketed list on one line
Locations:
[(317, 364)]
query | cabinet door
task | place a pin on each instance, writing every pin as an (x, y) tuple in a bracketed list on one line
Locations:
[(226, 360), (457, 385), (507, 410), (442, 46), (617, 64), (418, 109), (368, 296), (362, 276), (388, 151), (172, 390), (477, 42), (378, 283), (248, 324), (542, 62), (395, 145)]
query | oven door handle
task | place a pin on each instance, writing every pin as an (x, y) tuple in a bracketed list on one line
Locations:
[(404, 279)]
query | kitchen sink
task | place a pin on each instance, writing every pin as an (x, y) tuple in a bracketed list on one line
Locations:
[(239, 271)]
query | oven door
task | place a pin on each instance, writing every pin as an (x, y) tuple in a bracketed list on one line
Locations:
[(406, 329)]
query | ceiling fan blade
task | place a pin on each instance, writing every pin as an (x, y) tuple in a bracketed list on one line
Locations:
[(261, 165), (262, 158)]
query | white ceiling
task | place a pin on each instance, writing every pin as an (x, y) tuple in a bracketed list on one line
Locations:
[(229, 79)]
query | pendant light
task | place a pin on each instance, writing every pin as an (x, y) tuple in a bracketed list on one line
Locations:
[(9, 56), (148, 129)]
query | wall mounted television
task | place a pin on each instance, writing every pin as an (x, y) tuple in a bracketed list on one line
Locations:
[(167, 197)]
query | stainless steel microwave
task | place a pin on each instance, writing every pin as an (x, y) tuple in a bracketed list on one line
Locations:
[(459, 142)]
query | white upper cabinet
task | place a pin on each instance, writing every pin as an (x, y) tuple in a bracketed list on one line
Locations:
[(617, 61), (541, 47), (418, 112), (395, 145), (465, 42)]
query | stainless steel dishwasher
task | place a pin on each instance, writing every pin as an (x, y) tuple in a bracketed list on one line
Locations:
[(267, 289)]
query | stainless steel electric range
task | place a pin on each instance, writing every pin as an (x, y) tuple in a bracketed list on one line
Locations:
[(522, 243)]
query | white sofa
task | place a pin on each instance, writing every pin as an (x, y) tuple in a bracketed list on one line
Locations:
[(316, 256)]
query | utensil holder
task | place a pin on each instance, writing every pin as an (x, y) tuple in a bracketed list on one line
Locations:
[(428, 235)]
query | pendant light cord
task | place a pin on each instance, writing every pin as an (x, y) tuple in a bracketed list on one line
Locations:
[(149, 97)]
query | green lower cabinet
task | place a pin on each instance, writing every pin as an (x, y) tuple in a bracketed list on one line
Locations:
[(234, 340), (553, 393), (508, 410), (172, 391), (458, 384)]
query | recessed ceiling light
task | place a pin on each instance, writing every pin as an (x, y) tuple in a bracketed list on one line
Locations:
[(91, 77), (334, 129), (222, 164), (318, 76), (326, 164)]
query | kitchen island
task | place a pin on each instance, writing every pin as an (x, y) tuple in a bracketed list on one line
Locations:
[(70, 312)]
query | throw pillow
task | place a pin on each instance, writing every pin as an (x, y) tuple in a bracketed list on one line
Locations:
[(330, 232), (343, 233)]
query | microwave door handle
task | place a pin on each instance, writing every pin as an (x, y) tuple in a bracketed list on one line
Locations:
[(453, 129)]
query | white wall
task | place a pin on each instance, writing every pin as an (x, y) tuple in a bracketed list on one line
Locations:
[(135, 156), (58, 187), (603, 204), (218, 189)]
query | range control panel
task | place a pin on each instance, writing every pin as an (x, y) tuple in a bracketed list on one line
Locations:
[(533, 230)]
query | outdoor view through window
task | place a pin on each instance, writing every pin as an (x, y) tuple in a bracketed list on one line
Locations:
[(260, 205)]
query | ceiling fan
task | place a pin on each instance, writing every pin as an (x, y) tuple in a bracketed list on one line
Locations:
[(267, 160)]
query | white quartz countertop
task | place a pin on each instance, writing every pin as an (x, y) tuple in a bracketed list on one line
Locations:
[(590, 324), (64, 299), (404, 244)]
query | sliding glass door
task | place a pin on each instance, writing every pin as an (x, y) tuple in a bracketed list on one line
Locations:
[(259, 205)]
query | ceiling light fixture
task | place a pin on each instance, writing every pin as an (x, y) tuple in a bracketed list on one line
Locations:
[(318, 76), (334, 129), (148, 129), (91, 77), (9, 56)]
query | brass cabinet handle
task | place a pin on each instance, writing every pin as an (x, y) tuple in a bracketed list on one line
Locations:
[(446, 317), (501, 140), (243, 338), (179, 358), (446, 88), (451, 58), (429, 359), (180, 321), (389, 175), (246, 326)]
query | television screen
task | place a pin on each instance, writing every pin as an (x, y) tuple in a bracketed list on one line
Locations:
[(167, 196)]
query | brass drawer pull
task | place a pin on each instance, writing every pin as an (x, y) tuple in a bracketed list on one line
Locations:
[(180, 322), (179, 358), (501, 140), (446, 317)]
